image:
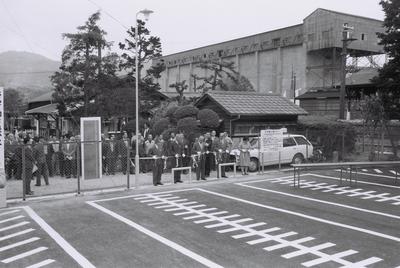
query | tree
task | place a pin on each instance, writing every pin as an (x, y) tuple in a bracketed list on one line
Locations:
[(223, 77), (180, 87), (14, 106), (388, 79), (149, 48), (208, 118), (84, 71)]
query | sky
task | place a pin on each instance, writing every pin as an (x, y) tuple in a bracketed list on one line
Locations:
[(37, 25)]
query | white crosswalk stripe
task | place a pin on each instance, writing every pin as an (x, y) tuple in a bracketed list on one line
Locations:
[(41, 264), (23, 255), (223, 222)]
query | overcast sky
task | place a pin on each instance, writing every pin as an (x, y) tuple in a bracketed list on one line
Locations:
[(37, 25)]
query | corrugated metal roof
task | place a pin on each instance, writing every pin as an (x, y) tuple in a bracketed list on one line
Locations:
[(45, 109), (48, 96), (320, 94), (362, 77), (255, 104)]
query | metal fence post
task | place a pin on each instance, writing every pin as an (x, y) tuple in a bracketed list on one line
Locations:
[(78, 166), (279, 163), (128, 167), (23, 174)]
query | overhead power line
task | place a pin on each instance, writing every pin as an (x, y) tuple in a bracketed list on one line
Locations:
[(108, 14)]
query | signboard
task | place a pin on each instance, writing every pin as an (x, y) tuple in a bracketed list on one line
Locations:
[(271, 140), (91, 147)]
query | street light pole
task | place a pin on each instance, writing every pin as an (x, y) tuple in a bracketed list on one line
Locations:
[(146, 14)]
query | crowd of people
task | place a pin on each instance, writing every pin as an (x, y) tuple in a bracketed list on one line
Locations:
[(38, 157), (203, 154)]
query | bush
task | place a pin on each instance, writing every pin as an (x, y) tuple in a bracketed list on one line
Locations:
[(187, 125), (130, 127), (160, 126), (208, 118), (186, 111), (328, 133), (171, 111), (167, 133)]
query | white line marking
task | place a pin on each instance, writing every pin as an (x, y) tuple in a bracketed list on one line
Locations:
[(378, 171), (59, 239), (16, 234), (232, 229), (157, 237), (363, 263), (14, 226), (20, 243), (11, 219), (393, 172), (321, 201), (9, 212), (364, 170), (361, 181), (23, 255), (307, 250), (346, 226), (41, 264), (142, 196)]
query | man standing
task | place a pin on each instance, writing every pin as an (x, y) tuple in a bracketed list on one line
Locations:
[(157, 152), (214, 149), (222, 150), (29, 162), (149, 144), (40, 157), (111, 156), (69, 151), (123, 149), (175, 152), (208, 153), (198, 149)]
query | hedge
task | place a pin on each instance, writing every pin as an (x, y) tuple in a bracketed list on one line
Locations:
[(160, 126), (208, 118), (186, 111)]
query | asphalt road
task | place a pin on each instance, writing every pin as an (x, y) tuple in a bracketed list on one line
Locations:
[(256, 221)]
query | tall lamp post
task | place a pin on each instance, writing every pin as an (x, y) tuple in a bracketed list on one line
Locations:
[(146, 13)]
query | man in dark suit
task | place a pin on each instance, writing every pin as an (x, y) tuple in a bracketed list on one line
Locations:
[(214, 149), (123, 148), (111, 156), (41, 161), (175, 154), (29, 162), (69, 151), (157, 152), (198, 151), (208, 154)]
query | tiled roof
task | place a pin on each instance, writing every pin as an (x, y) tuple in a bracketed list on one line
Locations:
[(255, 104)]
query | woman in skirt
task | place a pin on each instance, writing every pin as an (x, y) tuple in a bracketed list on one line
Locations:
[(244, 162)]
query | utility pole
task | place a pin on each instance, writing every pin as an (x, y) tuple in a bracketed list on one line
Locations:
[(346, 40)]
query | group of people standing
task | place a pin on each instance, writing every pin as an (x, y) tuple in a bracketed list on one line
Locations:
[(176, 151), (28, 156)]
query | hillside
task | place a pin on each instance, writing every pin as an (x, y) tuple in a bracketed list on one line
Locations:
[(27, 72)]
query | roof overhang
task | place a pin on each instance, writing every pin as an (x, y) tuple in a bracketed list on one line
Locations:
[(49, 109)]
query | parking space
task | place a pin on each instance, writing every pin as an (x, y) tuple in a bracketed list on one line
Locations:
[(27, 241), (255, 221)]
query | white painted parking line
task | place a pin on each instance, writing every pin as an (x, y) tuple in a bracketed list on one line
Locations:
[(20, 243), (16, 234), (14, 226), (80, 259), (262, 236), (23, 255), (313, 218), (41, 264), (393, 172), (157, 237), (378, 171), (9, 212), (12, 219), (321, 201)]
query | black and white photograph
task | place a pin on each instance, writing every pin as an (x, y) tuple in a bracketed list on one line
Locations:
[(187, 133)]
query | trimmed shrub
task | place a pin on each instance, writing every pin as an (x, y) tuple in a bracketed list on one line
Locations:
[(186, 111), (187, 125), (160, 126), (167, 133), (171, 111), (208, 118)]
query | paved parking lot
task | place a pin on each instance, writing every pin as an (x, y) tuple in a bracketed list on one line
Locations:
[(256, 221)]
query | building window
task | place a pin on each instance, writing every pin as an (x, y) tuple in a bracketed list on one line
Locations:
[(363, 37)]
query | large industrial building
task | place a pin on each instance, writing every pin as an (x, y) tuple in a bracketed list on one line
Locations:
[(285, 61)]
